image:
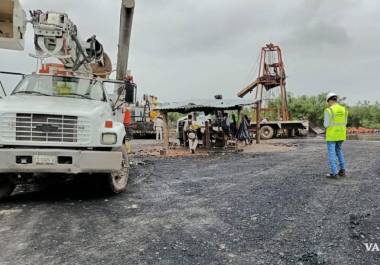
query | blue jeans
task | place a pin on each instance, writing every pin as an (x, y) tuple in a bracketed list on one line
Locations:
[(334, 150)]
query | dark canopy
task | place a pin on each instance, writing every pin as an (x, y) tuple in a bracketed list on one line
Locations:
[(204, 105)]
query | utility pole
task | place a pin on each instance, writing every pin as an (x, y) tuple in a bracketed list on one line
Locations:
[(126, 19)]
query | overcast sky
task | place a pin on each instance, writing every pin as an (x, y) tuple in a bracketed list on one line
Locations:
[(195, 49)]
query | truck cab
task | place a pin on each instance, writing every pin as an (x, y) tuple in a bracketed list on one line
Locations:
[(60, 124)]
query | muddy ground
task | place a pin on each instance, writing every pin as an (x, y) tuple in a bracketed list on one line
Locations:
[(244, 208)]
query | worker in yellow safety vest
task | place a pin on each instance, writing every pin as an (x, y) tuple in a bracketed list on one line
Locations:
[(335, 122)]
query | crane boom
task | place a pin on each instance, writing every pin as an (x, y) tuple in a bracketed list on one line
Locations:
[(56, 36)]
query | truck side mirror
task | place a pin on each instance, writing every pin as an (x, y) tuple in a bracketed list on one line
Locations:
[(12, 25)]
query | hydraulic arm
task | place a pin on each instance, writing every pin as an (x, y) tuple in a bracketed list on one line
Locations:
[(55, 35)]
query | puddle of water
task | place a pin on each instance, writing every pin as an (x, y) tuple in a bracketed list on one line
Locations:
[(364, 137)]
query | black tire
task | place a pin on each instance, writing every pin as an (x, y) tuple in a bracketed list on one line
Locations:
[(6, 187), (266, 132), (117, 181)]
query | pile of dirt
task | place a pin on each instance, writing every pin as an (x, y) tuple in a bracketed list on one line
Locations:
[(173, 152), (149, 148)]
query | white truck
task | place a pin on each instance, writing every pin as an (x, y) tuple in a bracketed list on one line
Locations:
[(64, 120)]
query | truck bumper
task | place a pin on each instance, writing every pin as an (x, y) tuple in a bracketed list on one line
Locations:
[(58, 161)]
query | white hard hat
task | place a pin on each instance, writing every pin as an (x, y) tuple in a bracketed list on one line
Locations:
[(330, 95)]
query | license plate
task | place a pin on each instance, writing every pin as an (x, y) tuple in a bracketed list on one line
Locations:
[(45, 160)]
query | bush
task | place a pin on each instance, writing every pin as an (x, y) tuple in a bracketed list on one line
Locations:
[(311, 107)]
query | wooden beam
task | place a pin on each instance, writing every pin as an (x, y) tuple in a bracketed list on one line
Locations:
[(165, 118), (258, 119), (248, 89), (206, 136)]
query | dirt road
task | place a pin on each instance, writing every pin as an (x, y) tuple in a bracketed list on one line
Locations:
[(272, 208)]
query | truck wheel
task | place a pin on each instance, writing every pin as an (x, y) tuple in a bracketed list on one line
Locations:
[(117, 180), (6, 188), (266, 132)]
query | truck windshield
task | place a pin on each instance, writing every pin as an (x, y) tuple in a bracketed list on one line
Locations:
[(61, 86)]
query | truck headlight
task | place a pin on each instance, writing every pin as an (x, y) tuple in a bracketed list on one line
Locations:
[(109, 138)]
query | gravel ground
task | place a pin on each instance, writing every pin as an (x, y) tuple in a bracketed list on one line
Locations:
[(270, 208)]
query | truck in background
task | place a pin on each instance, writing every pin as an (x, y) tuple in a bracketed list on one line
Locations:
[(140, 117)]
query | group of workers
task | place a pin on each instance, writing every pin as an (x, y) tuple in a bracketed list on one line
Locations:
[(191, 127), (194, 127), (335, 122)]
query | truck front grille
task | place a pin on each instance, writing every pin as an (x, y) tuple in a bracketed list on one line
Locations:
[(28, 127)]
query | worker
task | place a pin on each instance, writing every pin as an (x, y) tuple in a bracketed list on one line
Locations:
[(193, 132), (159, 127), (127, 116), (130, 89), (226, 123), (233, 126), (335, 122), (127, 123)]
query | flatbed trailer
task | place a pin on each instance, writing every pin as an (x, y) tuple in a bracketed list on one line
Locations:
[(277, 129)]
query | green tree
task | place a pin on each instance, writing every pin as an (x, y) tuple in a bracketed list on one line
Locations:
[(307, 107), (363, 114), (174, 116)]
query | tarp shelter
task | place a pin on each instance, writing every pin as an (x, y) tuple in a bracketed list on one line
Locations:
[(199, 105), (204, 105)]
